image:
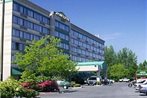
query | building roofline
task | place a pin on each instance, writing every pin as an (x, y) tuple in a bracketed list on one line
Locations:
[(87, 32), (30, 3)]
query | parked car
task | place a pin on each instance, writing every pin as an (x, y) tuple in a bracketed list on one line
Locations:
[(143, 85), (140, 82), (92, 80), (124, 80), (143, 90), (111, 81), (48, 85), (63, 83)]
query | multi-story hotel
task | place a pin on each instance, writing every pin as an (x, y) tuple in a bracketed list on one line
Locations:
[(22, 21)]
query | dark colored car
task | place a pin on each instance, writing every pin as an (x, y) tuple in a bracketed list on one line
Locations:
[(143, 90), (48, 85)]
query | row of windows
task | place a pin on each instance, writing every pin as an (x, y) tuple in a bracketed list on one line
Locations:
[(85, 38), (61, 26), (26, 11), (30, 25), (85, 45), (61, 35), (18, 46), (24, 35), (81, 59), (64, 46), (87, 53)]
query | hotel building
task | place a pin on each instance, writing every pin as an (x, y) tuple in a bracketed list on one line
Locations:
[(22, 21)]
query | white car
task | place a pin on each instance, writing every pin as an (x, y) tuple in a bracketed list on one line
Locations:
[(140, 82), (124, 80), (143, 85)]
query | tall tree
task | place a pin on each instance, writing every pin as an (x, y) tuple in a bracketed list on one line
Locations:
[(118, 71), (110, 58), (143, 66), (129, 60), (44, 58)]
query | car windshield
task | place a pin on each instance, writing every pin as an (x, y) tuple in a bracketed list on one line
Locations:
[(141, 81), (92, 78)]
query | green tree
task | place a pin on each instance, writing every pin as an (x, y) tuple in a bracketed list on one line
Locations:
[(118, 71), (143, 66), (44, 58), (129, 60), (110, 58)]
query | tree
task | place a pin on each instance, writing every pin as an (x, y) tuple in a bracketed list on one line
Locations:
[(143, 66), (127, 57), (44, 58), (129, 60), (110, 58), (118, 71)]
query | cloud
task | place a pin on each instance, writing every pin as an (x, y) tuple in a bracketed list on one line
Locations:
[(110, 36)]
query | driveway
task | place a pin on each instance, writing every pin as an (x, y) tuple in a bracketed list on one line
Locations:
[(116, 90)]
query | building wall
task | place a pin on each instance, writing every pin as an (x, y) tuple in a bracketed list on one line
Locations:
[(1, 10), (25, 21)]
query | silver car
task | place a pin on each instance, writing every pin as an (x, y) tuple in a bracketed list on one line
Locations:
[(92, 80)]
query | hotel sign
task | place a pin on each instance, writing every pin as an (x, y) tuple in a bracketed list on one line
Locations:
[(60, 14)]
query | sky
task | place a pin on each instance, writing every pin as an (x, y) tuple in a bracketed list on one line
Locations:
[(121, 23)]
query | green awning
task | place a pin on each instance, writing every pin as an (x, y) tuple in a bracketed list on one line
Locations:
[(16, 71), (142, 73)]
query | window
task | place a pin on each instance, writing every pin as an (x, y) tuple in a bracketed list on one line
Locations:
[(36, 37), (26, 35), (61, 26), (30, 13), (45, 20), (15, 7), (37, 16), (37, 28), (45, 30), (15, 33), (26, 11)]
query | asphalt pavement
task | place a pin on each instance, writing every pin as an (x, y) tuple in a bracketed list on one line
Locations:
[(116, 90)]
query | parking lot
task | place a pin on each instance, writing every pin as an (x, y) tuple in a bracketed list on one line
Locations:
[(116, 90)]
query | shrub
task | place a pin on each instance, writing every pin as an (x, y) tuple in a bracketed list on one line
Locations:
[(98, 83), (28, 93), (77, 85), (11, 88), (8, 87), (72, 83)]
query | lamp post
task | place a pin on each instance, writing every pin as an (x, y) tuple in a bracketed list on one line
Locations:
[(2, 40)]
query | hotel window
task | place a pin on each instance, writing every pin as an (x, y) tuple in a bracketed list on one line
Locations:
[(26, 36), (30, 13), (37, 28), (21, 9), (15, 7), (15, 33), (45, 20), (36, 37), (80, 35), (45, 30), (21, 34), (61, 26)]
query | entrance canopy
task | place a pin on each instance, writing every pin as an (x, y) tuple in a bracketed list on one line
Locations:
[(91, 66)]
